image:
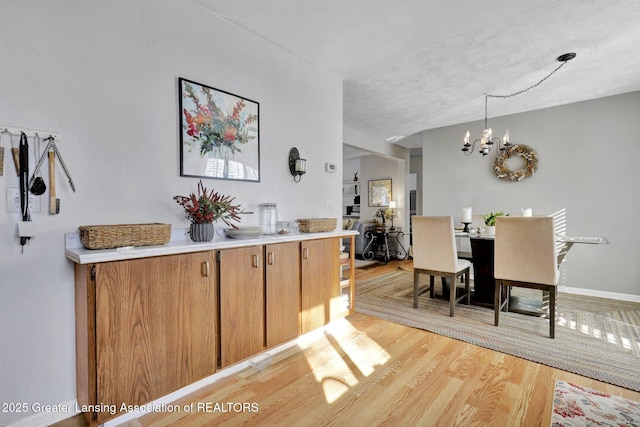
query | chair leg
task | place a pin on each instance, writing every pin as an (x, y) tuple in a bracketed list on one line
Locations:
[(432, 287), (452, 297), (416, 280), (507, 298), (467, 287), (552, 312), (496, 301)]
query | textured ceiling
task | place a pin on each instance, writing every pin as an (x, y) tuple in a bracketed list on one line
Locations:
[(411, 65)]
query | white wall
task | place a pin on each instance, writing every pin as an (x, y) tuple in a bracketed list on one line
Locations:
[(588, 154), (368, 142), (104, 75)]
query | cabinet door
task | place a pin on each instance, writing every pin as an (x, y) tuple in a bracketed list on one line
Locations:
[(282, 292), (321, 301), (241, 303), (155, 326)]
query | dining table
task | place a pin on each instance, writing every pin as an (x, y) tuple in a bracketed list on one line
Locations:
[(482, 253)]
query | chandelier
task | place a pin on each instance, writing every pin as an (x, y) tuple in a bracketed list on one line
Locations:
[(487, 140)]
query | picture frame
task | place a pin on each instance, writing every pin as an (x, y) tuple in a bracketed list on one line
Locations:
[(219, 133), (379, 192)]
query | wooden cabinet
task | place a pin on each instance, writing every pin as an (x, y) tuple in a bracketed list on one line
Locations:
[(320, 283), (282, 286), (145, 328), (241, 303)]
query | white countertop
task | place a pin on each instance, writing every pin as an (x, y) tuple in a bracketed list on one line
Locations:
[(180, 243)]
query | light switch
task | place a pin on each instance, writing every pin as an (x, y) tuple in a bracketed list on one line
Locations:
[(13, 201), (329, 205)]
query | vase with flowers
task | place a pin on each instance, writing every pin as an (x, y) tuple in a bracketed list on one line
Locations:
[(204, 209), (382, 215)]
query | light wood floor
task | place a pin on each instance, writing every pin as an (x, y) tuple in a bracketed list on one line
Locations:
[(363, 371)]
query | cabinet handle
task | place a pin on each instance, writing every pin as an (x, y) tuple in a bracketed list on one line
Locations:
[(305, 253), (205, 269), (256, 261), (270, 258)]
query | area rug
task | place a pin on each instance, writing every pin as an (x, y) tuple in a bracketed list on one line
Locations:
[(602, 347), (575, 406)]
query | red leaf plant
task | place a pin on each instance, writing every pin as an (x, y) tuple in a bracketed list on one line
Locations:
[(209, 206)]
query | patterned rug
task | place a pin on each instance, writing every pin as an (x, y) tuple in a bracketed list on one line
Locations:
[(575, 406), (595, 337)]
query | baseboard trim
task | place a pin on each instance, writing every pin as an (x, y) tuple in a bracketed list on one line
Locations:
[(600, 294)]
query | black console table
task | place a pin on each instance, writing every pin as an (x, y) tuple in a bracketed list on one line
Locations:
[(384, 243)]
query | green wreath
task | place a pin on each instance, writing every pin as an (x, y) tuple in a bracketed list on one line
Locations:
[(527, 153)]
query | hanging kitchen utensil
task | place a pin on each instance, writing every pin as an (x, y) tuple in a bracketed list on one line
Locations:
[(38, 187), (2, 151), (54, 203), (51, 145), (16, 155), (24, 181)]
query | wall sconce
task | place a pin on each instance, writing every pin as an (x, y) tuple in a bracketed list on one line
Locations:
[(297, 166)]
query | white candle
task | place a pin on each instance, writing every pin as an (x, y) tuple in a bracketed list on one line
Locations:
[(526, 211), (466, 214)]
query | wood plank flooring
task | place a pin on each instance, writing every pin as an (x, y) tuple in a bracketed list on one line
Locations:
[(363, 371)]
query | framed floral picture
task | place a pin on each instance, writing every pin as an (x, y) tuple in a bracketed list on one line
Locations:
[(219, 134), (379, 192)]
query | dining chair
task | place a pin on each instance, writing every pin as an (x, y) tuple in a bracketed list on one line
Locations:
[(525, 256), (434, 253)]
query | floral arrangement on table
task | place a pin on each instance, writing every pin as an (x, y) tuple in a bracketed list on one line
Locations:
[(490, 218), (384, 214), (209, 206), (214, 128)]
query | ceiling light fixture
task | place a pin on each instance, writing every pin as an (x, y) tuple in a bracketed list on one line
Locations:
[(487, 140), (394, 138)]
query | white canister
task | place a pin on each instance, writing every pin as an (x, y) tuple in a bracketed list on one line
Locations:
[(268, 217)]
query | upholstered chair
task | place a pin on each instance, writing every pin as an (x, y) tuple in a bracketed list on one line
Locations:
[(434, 253), (525, 256)]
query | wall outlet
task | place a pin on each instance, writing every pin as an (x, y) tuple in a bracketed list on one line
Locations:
[(329, 205)]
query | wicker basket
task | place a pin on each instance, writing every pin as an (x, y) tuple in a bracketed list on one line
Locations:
[(315, 225), (117, 236)]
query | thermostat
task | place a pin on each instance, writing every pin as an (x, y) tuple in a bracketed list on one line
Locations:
[(330, 167)]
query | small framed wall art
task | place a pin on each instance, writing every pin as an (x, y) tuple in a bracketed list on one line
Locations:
[(219, 133), (379, 192)]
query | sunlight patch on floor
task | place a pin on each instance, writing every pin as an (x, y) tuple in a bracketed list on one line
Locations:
[(621, 341), (352, 355)]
